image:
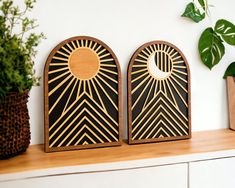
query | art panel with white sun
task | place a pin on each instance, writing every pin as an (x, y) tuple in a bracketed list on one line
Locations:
[(158, 94), (82, 89)]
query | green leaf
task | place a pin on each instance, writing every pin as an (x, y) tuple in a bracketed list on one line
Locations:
[(227, 30), (230, 71), (202, 3), (211, 48), (193, 13)]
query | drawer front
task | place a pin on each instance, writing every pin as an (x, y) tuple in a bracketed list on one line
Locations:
[(216, 173), (162, 176)]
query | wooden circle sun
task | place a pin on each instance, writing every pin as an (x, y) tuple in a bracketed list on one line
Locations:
[(82, 83)]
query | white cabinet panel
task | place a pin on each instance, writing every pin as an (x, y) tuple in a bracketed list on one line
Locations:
[(218, 173), (162, 176)]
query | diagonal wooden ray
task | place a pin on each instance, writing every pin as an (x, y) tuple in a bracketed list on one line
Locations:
[(160, 107), (97, 49), (109, 71), (153, 114), (148, 50), (178, 83), (83, 136), (140, 84), (84, 85), (153, 106), (110, 87), (107, 95), (60, 58), (146, 58), (105, 75), (101, 51), (150, 90), (107, 65), (82, 43), (65, 49), (57, 77), (59, 85), (141, 61), (145, 53), (178, 93), (79, 88), (139, 77), (178, 62), (68, 126), (72, 92), (172, 95), (79, 124), (86, 43), (161, 129), (58, 70), (77, 42), (98, 94), (62, 53), (149, 126), (74, 47), (139, 71), (139, 66), (89, 88), (58, 64), (61, 95), (180, 72), (142, 92), (105, 55), (70, 47), (174, 74), (151, 48), (75, 136), (93, 48), (106, 60)]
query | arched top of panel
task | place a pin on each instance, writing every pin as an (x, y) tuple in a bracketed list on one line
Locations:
[(159, 51), (82, 92), (79, 47), (158, 94)]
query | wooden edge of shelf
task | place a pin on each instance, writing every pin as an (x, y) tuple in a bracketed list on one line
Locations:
[(202, 142)]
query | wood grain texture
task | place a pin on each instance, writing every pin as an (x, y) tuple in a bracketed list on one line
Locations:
[(159, 95), (82, 96), (231, 100), (35, 158)]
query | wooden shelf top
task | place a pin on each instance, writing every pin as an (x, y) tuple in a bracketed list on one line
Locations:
[(35, 158)]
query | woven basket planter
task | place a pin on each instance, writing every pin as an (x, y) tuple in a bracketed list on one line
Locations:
[(14, 125)]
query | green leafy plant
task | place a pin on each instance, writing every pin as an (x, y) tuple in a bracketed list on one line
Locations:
[(17, 48), (211, 43)]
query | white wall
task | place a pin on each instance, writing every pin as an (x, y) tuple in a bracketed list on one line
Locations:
[(124, 25)]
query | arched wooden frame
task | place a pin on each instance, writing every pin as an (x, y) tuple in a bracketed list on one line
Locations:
[(85, 73), (159, 107)]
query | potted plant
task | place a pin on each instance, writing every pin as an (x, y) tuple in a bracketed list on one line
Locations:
[(211, 47), (17, 51)]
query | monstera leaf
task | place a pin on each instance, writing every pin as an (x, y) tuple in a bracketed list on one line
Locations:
[(227, 30), (230, 70), (193, 13), (210, 47), (203, 4)]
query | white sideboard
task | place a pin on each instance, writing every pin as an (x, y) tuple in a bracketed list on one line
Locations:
[(205, 161)]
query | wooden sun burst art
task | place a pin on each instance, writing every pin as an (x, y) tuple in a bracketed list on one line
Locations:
[(158, 94), (82, 91)]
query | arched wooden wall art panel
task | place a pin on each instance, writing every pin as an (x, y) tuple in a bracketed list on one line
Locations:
[(82, 92), (158, 94)]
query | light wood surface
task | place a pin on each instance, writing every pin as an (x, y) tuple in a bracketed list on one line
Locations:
[(35, 158), (231, 100), (84, 63)]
